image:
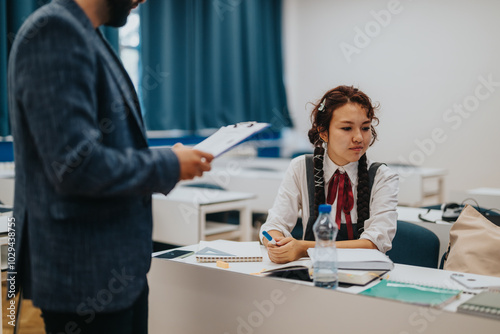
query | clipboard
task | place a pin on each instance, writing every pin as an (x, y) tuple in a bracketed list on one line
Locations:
[(230, 136)]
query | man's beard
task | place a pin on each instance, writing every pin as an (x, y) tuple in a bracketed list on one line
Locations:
[(118, 12)]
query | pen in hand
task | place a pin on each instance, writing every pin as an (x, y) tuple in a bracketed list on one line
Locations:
[(269, 238)]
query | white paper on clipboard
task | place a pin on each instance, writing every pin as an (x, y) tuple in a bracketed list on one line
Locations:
[(229, 136)]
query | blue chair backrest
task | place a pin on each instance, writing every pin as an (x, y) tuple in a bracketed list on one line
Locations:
[(414, 245)]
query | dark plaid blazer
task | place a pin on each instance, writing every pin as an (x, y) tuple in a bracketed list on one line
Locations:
[(84, 172)]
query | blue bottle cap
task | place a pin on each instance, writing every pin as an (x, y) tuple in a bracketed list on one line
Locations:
[(325, 208)]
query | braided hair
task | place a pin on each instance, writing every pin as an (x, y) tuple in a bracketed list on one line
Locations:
[(321, 117), (362, 202)]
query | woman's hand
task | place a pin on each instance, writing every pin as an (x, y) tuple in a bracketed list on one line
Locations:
[(286, 250)]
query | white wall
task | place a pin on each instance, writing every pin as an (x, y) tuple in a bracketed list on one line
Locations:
[(420, 62)]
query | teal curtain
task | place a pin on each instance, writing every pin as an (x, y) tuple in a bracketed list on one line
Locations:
[(4, 119), (210, 63), (13, 13)]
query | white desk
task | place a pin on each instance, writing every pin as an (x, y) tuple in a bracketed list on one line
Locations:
[(4, 219), (7, 186), (189, 298), (420, 186), (180, 217), (260, 176), (440, 228), (487, 198)]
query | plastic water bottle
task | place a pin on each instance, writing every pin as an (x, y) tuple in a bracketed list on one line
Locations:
[(325, 253)]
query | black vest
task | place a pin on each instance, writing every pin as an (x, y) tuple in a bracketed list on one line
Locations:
[(342, 235)]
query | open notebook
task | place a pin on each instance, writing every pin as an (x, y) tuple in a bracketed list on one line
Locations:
[(229, 251), (360, 259)]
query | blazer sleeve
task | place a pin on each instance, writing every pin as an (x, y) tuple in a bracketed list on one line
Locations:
[(55, 85)]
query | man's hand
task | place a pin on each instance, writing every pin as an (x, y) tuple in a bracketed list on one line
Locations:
[(192, 162)]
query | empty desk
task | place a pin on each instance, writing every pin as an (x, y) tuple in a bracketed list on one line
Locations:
[(180, 217)]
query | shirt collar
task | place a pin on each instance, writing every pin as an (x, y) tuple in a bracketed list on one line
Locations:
[(329, 168)]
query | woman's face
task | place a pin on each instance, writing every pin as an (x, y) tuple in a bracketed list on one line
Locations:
[(349, 134)]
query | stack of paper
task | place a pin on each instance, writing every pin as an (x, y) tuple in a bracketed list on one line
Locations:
[(360, 259)]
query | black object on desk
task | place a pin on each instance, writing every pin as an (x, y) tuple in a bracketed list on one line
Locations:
[(5, 209), (301, 274), (494, 219), (176, 253)]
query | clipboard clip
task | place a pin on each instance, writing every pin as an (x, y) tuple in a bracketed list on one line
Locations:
[(247, 124)]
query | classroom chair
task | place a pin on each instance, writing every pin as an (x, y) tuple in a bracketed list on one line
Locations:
[(443, 260), (414, 245)]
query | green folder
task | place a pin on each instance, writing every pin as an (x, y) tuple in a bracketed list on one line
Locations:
[(412, 293)]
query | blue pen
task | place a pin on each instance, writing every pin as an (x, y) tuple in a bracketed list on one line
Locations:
[(269, 238)]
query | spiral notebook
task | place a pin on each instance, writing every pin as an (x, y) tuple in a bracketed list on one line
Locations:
[(407, 292), (229, 251), (486, 303)]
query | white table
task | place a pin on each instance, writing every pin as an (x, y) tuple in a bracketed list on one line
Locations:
[(260, 176), (186, 297), (7, 186), (487, 198), (180, 217), (419, 186), (4, 219)]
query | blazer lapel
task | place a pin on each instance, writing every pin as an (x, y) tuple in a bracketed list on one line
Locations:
[(119, 73), (123, 81)]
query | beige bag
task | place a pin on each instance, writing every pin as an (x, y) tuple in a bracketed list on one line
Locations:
[(474, 245)]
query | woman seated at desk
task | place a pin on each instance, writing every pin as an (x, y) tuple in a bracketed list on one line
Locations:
[(341, 132)]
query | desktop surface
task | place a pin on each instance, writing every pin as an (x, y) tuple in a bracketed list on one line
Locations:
[(183, 295)]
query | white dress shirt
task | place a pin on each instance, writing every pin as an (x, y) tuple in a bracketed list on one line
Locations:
[(293, 198)]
